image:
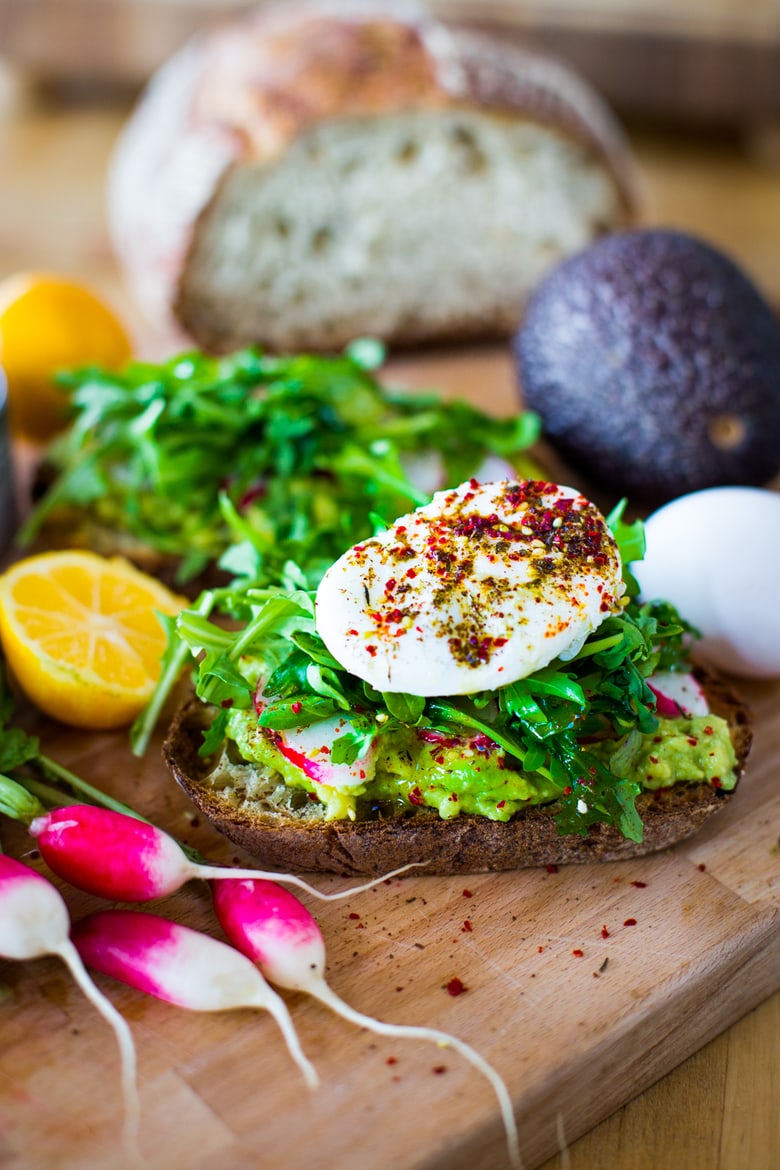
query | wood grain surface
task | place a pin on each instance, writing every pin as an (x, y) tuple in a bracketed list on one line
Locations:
[(221, 1090)]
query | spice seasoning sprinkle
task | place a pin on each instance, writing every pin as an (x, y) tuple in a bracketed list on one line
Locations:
[(456, 986), (475, 573)]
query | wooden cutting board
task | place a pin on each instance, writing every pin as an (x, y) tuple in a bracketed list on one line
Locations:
[(576, 1022)]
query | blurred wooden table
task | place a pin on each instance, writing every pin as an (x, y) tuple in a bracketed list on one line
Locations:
[(721, 1109)]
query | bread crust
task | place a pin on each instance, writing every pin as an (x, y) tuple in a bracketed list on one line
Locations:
[(243, 93), (465, 844)]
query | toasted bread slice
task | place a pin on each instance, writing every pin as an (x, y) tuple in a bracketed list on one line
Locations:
[(282, 828)]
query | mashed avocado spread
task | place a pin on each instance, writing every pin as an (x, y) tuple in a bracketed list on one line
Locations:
[(454, 775)]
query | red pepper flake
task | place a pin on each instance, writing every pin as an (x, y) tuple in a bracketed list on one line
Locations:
[(716, 782), (640, 885), (456, 986), (693, 741), (439, 759), (552, 868), (467, 927), (578, 953), (467, 894), (439, 1069), (630, 922), (371, 650), (540, 949), (415, 796), (296, 707), (701, 867), (392, 1060), (411, 574), (353, 633), (708, 730), (604, 932), (226, 703), (501, 804), (354, 915), (313, 796)]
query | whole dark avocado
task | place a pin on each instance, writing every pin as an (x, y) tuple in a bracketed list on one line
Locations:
[(654, 363)]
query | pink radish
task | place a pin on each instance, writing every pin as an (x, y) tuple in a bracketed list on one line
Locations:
[(181, 966), (273, 929), (119, 857), (34, 922), (677, 694)]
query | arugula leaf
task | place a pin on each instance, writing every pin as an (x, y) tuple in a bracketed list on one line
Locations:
[(324, 681), (353, 745), (297, 711), (17, 748), (214, 736), (407, 709), (221, 683), (630, 539)]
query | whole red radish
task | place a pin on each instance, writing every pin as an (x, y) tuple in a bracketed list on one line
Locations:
[(34, 921), (126, 859), (182, 966), (277, 932)]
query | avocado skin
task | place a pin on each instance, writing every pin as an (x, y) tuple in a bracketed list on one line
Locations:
[(635, 349)]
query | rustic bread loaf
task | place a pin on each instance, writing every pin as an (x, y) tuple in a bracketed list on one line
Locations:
[(306, 175), (282, 828)]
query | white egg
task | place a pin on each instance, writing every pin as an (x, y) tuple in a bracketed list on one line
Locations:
[(715, 554), (479, 588)]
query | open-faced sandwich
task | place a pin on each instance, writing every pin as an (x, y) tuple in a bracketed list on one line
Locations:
[(170, 464), (475, 687)]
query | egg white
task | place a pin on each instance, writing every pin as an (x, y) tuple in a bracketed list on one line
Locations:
[(479, 588)]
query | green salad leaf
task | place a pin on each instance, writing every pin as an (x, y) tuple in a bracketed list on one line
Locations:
[(260, 460)]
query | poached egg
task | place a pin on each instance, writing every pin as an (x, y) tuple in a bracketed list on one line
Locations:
[(483, 586)]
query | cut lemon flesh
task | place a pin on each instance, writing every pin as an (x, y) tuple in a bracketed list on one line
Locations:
[(49, 323), (82, 635)]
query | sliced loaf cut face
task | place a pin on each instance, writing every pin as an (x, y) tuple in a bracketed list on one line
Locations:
[(301, 177), (413, 227), (282, 828)]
